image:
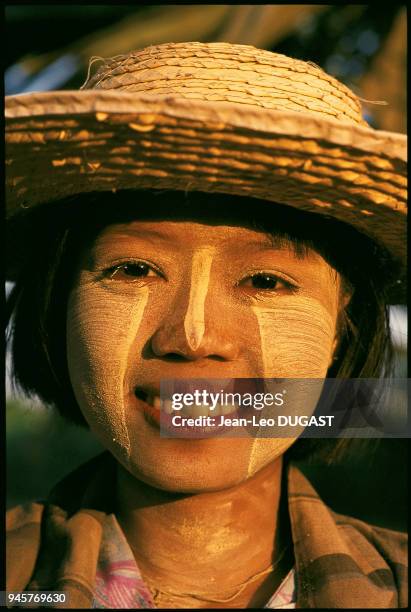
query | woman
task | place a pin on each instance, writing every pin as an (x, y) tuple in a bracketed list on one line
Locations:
[(199, 211)]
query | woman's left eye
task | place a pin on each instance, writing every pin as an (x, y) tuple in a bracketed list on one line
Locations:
[(266, 282), (130, 271)]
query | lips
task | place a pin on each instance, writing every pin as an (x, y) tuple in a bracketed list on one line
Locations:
[(157, 406), (159, 410), (149, 396), (149, 403)]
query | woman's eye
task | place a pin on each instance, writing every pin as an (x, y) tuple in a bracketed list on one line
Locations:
[(266, 282), (131, 271)]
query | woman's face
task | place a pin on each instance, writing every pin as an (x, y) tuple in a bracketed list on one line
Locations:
[(161, 299)]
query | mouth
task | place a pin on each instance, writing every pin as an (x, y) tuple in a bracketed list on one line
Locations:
[(149, 402), (209, 412), (152, 399), (159, 412)]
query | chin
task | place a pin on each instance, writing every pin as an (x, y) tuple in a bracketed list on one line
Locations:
[(203, 466)]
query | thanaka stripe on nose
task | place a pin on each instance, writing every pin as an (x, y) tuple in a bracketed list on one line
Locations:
[(194, 322)]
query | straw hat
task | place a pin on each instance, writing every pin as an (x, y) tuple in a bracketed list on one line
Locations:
[(211, 117)]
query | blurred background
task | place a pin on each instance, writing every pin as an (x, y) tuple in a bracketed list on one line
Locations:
[(365, 46)]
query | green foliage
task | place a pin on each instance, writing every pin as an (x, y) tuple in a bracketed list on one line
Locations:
[(41, 449)]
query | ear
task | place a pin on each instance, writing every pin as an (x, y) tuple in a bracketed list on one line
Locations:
[(346, 292), (345, 297)]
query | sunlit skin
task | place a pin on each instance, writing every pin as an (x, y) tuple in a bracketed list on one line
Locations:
[(183, 299)]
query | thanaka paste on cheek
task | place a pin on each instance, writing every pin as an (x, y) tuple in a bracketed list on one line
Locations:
[(101, 332), (194, 322), (296, 340)]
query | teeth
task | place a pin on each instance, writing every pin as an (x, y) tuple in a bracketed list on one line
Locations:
[(156, 402), (199, 411), (196, 411), (228, 409), (168, 406), (217, 410)]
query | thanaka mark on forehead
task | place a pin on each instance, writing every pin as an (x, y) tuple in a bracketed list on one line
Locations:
[(194, 322)]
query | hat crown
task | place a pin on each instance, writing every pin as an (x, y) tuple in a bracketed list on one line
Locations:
[(224, 72)]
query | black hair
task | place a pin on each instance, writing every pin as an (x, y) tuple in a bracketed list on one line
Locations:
[(54, 234)]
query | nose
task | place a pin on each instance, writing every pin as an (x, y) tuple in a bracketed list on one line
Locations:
[(170, 342), (197, 325)]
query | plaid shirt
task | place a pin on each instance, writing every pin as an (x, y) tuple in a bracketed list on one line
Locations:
[(340, 561)]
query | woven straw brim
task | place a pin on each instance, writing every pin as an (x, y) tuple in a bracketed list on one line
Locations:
[(64, 143)]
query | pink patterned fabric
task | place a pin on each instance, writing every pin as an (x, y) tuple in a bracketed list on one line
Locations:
[(119, 583), (285, 596)]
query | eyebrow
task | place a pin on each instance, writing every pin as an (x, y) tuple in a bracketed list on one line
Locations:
[(145, 232)]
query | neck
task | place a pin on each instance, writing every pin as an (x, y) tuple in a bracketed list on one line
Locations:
[(187, 542)]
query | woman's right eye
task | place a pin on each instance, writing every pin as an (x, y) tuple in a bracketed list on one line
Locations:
[(266, 282)]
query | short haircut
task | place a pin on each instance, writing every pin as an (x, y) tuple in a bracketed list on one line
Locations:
[(56, 233)]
